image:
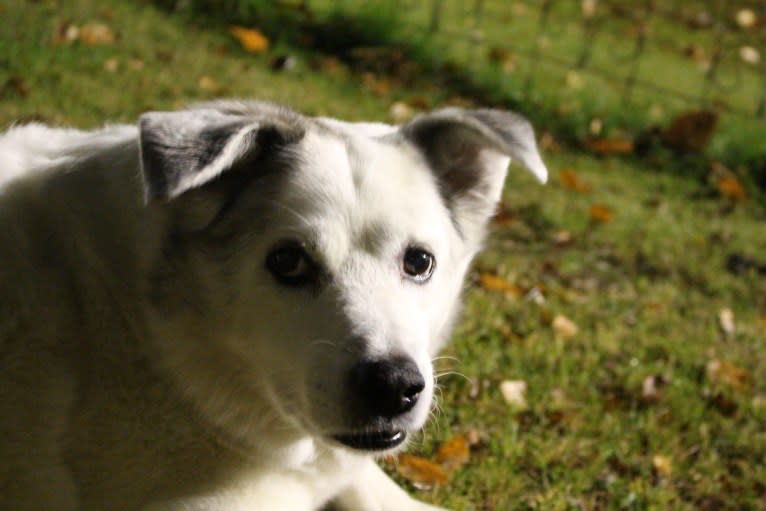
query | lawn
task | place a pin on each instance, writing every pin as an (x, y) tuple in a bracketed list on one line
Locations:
[(631, 301)]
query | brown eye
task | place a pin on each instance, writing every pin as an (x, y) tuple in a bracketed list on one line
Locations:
[(291, 265), (418, 264)]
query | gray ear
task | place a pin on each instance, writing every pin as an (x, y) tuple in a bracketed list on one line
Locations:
[(184, 150), (469, 152)]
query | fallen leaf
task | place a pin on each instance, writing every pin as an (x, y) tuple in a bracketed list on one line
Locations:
[(600, 213), (661, 465), (609, 146), (492, 282), (378, 85), (651, 388), (207, 84), (420, 470), (701, 20), (14, 86), (504, 58), (564, 327), (690, 131), (96, 34), (746, 18), (588, 8), (453, 454), (515, 393), (535, 295), (749, 55), (563, 238), (548, 143), (721, 371), (251, 39), (66, 33), (595, 126), (112, 65), (726, 321), (695, 52), (570, 180), (282, 63), (474, 438), (504, 216), (731, 188), (400, 112)]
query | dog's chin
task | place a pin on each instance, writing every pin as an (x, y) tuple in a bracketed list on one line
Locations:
[(376, 442)]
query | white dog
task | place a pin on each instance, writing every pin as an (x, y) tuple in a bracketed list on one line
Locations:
[(232, 307)]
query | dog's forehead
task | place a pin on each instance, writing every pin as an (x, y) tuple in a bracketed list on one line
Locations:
[(358, 182)]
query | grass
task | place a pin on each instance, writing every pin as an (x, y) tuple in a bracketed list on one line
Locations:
[(561, 96), (644, 288)]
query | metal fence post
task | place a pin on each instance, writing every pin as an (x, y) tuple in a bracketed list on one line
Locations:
[(643, 27), (436, 14), (545, 10)]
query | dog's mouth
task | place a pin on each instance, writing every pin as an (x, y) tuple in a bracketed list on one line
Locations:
[(372, 441)]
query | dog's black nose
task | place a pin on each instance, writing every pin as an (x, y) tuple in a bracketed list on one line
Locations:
[(387, 387)]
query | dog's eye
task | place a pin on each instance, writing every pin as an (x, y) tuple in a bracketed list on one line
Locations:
[(418, 264), (291, 265)]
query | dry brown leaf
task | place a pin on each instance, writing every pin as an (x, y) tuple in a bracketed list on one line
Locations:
[(600, 213), (378, 85), (570, 180), (503, 58), (515, 393), (661, 465), (548, 143), (14, 86), (721, 371), (420, 470), (609, 146), (504, 216), (564, 327), (730, 187), (96, 34), (251, 39), (691, 131), (454, 453), (492, 282)]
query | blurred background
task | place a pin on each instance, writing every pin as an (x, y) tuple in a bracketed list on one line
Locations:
[(611, 355)]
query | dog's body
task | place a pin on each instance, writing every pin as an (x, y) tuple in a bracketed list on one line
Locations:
[(232, 307)]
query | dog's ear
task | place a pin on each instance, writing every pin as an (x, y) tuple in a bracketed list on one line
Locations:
[(181, 151), (469, 152)]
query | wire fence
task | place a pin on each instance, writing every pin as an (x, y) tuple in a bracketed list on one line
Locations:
[(703, 53)]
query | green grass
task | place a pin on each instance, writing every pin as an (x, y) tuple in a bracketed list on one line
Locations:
[(645, 288), (563, 98)]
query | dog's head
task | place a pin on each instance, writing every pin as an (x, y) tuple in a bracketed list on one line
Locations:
[(316, 265)]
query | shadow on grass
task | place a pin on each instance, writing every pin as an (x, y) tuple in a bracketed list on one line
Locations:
[(370, 38)]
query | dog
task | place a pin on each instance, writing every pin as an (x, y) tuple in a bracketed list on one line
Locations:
[(233, 306)]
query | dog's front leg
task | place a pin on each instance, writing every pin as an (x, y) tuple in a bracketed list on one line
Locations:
[(373, 490)]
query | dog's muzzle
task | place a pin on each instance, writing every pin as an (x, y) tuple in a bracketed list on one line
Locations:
[(382, 391)]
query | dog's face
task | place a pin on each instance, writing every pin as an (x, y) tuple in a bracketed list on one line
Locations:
[(325, 258)]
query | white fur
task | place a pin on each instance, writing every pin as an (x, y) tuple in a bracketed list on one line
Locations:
[(150, 374)]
